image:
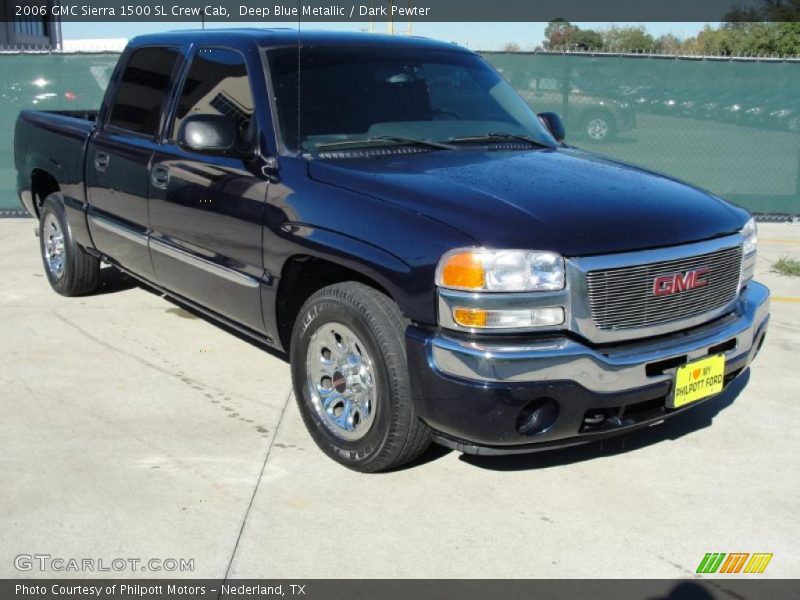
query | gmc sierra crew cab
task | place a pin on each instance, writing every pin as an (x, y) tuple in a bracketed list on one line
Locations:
[(435, 261)]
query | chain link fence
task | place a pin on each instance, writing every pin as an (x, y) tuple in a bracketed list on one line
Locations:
[(730, 125), (44, 81)]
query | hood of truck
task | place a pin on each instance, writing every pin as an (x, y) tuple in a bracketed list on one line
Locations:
[(564, 200)]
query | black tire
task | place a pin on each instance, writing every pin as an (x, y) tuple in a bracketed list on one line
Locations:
[(396, 435), (599, 126), (80, 272)]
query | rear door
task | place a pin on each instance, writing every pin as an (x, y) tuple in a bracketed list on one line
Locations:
[(207, 208), (119, 155)]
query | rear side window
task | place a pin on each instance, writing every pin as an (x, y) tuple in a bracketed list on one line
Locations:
[(217, 84), (141, 92)]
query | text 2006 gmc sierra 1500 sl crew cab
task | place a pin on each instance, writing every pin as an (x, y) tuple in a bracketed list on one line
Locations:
[(435, 261)]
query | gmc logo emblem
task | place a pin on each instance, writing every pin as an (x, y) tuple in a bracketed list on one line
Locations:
[(680, 282)]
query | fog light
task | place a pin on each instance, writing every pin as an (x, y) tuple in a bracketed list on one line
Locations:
[(508, 319), (537, 416)]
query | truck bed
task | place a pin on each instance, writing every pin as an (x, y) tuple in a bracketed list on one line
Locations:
[(83, 115), (68, 121), (52, 142)]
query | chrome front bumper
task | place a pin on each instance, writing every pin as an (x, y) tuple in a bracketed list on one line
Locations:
[(607, 369)]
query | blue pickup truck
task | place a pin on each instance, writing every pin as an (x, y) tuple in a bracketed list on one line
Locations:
[(434, 260)]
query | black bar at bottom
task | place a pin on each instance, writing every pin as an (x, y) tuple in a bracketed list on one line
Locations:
[(741, 588)]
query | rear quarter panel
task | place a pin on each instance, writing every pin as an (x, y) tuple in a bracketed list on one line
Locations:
[(54, 144)]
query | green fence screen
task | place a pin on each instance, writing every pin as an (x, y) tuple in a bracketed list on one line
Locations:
[(44, 82), (730, 126)]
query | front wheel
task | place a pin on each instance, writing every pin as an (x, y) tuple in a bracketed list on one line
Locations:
[(351, 380)]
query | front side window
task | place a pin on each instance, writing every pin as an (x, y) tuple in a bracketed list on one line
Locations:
[(142, 90), (330, 95), (217, 84)]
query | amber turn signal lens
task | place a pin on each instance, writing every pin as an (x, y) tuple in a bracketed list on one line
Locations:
[(470, 317), (481, 318), (463, 270)]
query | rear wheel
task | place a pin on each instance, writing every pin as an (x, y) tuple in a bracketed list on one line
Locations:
[(351, 378), (600, 126), (70, 270)]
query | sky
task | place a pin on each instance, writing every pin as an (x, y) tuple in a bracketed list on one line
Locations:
[(478, 36)]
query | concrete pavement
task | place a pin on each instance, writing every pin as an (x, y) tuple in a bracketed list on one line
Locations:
[(134, 429)]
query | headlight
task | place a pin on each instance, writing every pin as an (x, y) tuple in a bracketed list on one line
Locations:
[(481, 270), (749, 245), (750, 237)]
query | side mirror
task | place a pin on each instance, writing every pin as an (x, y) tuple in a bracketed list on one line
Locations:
[(208, 133), (553, 123)]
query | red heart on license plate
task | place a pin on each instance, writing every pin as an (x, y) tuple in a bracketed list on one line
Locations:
[(696, 373)]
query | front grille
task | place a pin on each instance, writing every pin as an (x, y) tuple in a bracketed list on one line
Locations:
[(623, 298)]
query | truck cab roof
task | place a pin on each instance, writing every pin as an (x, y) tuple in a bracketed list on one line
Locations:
[(276, 37)]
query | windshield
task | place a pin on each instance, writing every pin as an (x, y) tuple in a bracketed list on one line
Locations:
[(346, 97)]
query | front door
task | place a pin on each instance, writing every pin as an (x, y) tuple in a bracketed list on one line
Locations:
[(207, 208)]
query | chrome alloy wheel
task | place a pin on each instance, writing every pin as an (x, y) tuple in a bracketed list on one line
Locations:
[(53, 243), (341, 381), (597, 129)]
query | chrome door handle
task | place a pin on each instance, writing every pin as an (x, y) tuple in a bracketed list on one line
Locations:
[(159, 177), (101, 160)]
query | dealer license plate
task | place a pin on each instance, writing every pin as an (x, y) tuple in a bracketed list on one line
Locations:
[(697, 380)]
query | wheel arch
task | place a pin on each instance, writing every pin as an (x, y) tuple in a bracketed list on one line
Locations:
[(302, 275), (43, 184)]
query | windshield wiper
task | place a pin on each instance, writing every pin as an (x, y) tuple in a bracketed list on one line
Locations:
[(386, 138), (501, 135)]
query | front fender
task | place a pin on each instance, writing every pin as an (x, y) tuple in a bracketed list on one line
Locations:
[(392, 245)]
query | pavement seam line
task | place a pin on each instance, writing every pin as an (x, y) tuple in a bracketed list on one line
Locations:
[(258, 484)]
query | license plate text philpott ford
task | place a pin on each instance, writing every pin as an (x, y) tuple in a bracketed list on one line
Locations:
[(699, 379)]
